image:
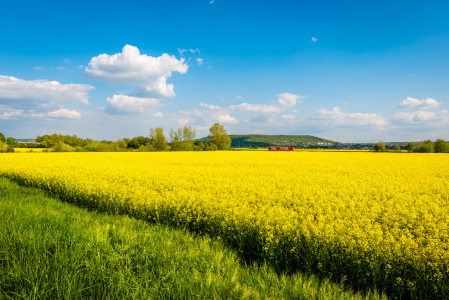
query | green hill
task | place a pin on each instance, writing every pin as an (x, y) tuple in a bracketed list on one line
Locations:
[(261, 140)]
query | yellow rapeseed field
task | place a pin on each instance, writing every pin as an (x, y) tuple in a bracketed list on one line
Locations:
[(379, 220)]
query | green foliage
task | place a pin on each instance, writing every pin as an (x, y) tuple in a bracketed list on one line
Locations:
[(62, 147), (43, 138), (137, 141), (122, 144), (158, 139), (397, 148), (441, 146), (199, 146), (10, 149), (12, 142), (210, 147), (183, 139), (2, 138), (219, 137), (3, 147), (425, 147), (410, 147), (380, 147)]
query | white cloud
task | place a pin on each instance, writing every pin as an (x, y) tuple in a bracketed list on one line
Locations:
[(227, 119), (285, 100), (212, 1), (209, 106), (67, 60), (238, 97), (181, 51), (20, 93), (158, 114), (422, 117), (183, 122), (425, 104), (289, 117), (313, 39), (123, 104), (259, 108), (158, 88), (63, 113), (199, 61), (37, 68), (132, 68), (289, 100), (61, 68), (11, 114), (338, 118)]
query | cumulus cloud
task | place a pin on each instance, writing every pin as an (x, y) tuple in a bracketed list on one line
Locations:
[(424, 104), (19, 93), (11, 114), (158, 88), (289, 100), (288, 117), (132, 68), (61, 68), (422, 117), (313, 39), (63, 113), (227, 119), (284, 101), (259, 108), (123, 104), (337, 117), (38, 68), (209, 106), (158, 114), (199, 61)]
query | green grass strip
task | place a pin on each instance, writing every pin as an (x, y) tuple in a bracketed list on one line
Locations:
[(54, 250)]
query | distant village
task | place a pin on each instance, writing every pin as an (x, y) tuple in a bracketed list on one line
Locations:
[(348, 146)]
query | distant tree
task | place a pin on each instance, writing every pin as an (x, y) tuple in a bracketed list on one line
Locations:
[(62, 147), (425, 147), (12, 142), (410, 146), (137, 141), (3, 147), (41, 139), (122, 144), (199, 146), (441, 146), (379, 147), (219, 137), (2, 138), (158, 139), (397, 148), (183, 139)]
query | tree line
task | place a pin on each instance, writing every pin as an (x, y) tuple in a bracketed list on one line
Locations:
[(426, 146), (181, 139)]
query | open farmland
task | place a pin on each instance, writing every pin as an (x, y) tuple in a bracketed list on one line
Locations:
[(378, 220)]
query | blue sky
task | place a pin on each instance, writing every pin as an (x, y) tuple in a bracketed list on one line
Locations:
[(350, 71)]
